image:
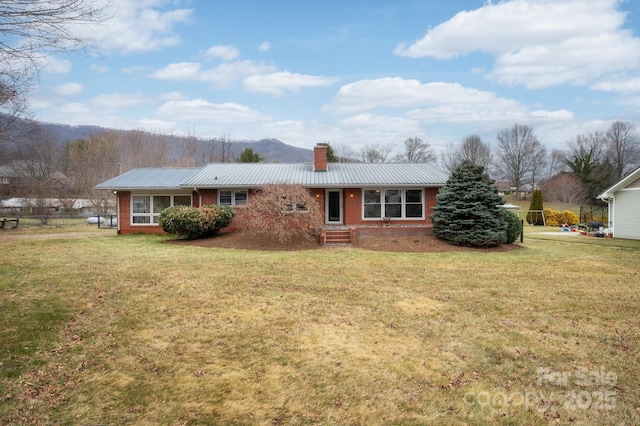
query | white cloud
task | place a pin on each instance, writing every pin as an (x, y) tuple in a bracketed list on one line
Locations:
[(537, 43), (99, 68), (141, 26), (227, 73), (223, 75), (618, 85), (119, 101), (403, 107), (226, 53), (280, 83), (265, 46), (201, 110), (69, 89), (171, 96), (53, 65), (178, 72), (394, 92)]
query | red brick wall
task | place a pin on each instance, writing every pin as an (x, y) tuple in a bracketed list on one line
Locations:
[(353, 209), (352, 202), (124, 218)]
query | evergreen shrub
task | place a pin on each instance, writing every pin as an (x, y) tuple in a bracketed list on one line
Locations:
[(192, 222), (514, 226)]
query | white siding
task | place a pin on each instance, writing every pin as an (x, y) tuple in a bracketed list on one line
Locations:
[(626, 221)]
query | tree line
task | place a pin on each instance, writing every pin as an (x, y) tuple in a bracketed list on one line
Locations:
[(589, 164), (577, 174)]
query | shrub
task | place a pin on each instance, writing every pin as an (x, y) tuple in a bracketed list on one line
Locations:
[(282, 212), (468, 211), (193, 223), (514, 226), (557, 218), (535, 218)]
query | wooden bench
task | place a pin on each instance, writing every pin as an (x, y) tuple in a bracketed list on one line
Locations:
[(4, 221)]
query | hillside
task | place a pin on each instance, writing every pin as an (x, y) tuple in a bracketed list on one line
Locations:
[(271, 150)]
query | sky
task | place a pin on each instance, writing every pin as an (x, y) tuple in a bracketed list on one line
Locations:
[(352, 73)]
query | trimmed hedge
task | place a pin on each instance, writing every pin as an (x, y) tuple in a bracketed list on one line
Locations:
[(192, 222)]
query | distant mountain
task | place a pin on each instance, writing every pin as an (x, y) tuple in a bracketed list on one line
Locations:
[(272, 150)]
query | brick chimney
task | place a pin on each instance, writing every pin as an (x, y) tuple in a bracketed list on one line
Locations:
[(320, 158)]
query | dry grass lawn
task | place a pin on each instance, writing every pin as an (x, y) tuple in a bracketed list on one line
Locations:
[(131, 330)]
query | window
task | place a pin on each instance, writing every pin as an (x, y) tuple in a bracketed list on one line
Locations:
[(145, 209), (237, 197), (372, 207), (4, 180), (393, 203), (413, 206)]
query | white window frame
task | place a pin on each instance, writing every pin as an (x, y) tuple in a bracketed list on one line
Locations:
[(5, 180), (403, 203), (152, 216), (234, 202)]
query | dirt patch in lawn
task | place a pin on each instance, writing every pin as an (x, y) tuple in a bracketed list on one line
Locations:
[(246, 240)]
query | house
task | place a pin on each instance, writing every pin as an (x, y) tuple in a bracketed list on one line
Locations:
[(379, 198), (21, 178), (624, 204)]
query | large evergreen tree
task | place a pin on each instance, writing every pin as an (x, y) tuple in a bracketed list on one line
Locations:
[(468, 211)]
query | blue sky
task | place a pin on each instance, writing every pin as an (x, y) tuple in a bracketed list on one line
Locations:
[(352, 72)]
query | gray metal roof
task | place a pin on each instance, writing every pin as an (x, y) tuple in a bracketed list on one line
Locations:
[(254, 175), (157, 178)]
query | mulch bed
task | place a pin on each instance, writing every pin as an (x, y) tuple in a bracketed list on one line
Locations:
[(247, 240)]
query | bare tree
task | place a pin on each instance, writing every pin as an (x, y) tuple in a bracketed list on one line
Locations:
[(475, 150), (557, 163), (623, 148), (587, 160), (344, 153), (566, 188), (283, 212), (31, 31), (416, 151), (141, 149), (516, 154), (90, 162), (373, 153), (471, 149), (39, 165), (538, 163)]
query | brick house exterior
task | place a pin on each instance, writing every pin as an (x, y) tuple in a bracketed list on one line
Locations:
[(367, 199)]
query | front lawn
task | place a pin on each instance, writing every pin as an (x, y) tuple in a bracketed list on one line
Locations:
[(132, 330)]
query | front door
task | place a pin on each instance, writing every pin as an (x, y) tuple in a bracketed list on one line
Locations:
[(333, 210)]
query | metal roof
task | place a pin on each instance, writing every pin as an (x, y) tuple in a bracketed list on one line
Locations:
[(254, 175), (156, 178)]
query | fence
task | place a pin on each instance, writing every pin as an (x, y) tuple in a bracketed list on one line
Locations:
[(594, 214), (62, 221)]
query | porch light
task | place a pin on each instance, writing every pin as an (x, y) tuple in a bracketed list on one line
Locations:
[(317, 195), (351, 195)]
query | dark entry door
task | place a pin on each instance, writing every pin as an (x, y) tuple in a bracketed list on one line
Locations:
[(334, 206)]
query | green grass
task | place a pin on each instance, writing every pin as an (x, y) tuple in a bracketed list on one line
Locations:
[(131, 330)]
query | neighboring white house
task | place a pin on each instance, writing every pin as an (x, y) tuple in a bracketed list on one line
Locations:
[(624, 206)]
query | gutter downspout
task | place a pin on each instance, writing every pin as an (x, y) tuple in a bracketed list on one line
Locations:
[(199, 197)]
